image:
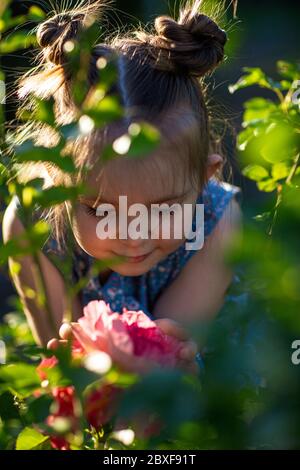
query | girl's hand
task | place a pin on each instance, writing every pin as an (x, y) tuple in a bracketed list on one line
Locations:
[(169, 327), (188, 351), (65, 333)]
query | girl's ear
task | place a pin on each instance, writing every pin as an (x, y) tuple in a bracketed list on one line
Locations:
[(214, 163)]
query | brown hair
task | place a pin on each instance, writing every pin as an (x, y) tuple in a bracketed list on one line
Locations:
[(159, 80)]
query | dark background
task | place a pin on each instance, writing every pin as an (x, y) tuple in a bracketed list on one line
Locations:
[(265, 31)]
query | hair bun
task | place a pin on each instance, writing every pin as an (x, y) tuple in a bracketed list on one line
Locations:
[(202, 26), (55, 32), (195, 42)]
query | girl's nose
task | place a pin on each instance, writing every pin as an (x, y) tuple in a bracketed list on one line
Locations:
[(131, 243), (136, 234)]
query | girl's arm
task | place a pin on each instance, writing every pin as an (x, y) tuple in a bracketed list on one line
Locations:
[(198, 292), (26, 278)]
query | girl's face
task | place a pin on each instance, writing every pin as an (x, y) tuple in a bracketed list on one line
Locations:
[(144, 182)]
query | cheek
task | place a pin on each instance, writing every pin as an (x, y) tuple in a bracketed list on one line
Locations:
[(177, 227), (168, 246), (84, 226), (84, 229)]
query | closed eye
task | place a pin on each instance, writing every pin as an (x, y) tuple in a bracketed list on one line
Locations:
[(90, 210), (93, 211)]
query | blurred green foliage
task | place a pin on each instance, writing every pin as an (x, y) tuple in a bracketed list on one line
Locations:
[(248, 396), (270, 140)]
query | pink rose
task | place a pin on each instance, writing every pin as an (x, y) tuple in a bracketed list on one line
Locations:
[(131, 339)]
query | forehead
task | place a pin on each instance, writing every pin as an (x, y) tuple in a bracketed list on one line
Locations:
[(145, 179)]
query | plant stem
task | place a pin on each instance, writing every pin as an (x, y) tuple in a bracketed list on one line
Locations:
[(279, 191), (293, 169), (279, 94), (278, 202)]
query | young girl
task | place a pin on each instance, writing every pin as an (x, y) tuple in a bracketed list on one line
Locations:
[(157, 82)]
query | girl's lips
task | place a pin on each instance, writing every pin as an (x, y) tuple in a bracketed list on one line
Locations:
[(136, 259)]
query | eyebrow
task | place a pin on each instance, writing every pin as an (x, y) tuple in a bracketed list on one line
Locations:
[(169, 198)]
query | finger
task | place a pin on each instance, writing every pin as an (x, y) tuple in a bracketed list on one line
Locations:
[(53, 344), (172, 328), (188, 351), (56, 343), (65, 331)]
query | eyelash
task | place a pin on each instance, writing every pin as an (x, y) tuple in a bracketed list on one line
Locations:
[(90, 210)]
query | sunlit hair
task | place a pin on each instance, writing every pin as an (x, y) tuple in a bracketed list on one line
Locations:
[(159, 80)]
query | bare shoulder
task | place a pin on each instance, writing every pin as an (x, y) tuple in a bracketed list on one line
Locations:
[(232, 216), (212, 253), (228, 227), (200, 288)]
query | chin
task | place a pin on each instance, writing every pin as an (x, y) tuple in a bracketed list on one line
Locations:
[(128, 269), (137, 269)]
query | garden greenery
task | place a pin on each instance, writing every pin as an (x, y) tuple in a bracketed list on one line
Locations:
[(248, 395)]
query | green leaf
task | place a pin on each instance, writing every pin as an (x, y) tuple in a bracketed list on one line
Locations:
[(4, 7), (8, 408), (57, 195), (267, 186), (69, 131), (43, 112), (79, 59), (244, 138), (40, 229), (285, 84), (108, 76), (280, 171), (28, 152), (36, 14), (255, 76), (30, 439), (255, 172), (121, 379), (7, 22), (142, 139), (153, 392), (29, 242), (21, 378), (16, 41), (38, 408), (288, 70), (3, 170), (258, 109), (105, 111), (280, 143)]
